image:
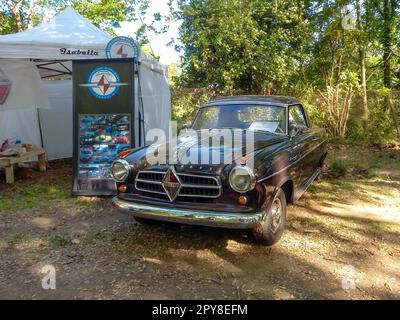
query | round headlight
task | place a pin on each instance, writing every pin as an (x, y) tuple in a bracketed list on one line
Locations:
[(242, 179), (120, 170)]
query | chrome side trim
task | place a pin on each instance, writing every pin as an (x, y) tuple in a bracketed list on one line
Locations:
[(189, 216)]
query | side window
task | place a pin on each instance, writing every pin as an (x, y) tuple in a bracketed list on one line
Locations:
[(296, 115), (208, 118)]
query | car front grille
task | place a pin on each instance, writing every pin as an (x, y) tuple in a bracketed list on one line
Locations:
[(195, 188)]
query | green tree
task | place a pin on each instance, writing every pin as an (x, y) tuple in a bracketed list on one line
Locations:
[(243, 46), (383, 23), (17, 15)]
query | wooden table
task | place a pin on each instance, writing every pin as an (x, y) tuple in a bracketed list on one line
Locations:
[(8, 162)]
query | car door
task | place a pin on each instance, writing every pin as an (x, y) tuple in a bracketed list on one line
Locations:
[(301, 145)]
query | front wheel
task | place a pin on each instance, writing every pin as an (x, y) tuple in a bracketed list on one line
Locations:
[(269, 230)]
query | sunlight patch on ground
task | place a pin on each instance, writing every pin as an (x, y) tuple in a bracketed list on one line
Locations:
[(3, 245), (214, 259), (45, 223), (387, 213), (152, 260)]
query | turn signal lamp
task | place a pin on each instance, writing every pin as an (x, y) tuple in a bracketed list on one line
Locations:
[(122, 188), (242, 200)]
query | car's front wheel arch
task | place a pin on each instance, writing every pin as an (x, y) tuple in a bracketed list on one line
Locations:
[(270, 228)]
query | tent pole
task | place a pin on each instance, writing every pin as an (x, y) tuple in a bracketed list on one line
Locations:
[(40, 127), (141, 111)]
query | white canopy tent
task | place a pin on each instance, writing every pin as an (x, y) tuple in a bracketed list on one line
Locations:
[(40, 111)]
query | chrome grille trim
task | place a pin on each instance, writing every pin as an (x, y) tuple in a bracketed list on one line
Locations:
[(213, 186)]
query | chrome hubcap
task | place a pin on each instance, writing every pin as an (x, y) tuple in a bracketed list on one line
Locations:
[(276, 214)]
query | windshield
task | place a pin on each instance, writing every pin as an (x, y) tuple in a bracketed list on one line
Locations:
[(256, 117)]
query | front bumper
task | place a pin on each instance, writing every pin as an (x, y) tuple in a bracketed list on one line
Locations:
[(187, 216)]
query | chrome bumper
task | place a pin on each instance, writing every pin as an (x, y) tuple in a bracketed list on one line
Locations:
[(196, 217)]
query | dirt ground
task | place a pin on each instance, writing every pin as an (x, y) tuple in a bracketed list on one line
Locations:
[(342, 241)]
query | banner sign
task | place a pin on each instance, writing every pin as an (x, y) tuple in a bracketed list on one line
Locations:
[(103, 100), (79, 52), (122, 47)]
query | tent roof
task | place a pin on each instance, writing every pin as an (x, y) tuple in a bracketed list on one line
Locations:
[(67, 30), (67, 36)]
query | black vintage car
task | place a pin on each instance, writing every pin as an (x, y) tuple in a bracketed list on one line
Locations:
[(249, 191)]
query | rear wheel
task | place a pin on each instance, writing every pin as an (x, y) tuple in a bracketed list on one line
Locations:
[(269, 230)]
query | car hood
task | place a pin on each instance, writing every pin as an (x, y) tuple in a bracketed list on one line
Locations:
[(197, 146)]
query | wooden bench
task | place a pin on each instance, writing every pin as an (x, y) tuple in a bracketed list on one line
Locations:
[(8, 162)]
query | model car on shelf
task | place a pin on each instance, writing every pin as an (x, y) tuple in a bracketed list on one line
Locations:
[(121, 147), (89, 171), (85, 155), (123, 120), (103, 159), (103, 138), (100, 149), (121, 140)]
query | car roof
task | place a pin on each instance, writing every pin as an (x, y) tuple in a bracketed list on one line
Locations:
[(269, 100)]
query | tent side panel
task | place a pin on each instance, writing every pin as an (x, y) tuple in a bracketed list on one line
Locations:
[(156, 100), (56, 123), (26, 90), (20, 123)]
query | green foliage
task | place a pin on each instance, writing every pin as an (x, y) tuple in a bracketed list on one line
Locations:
[(252, 46), (57, 240), (7, 23), (379, 120), (34, 196), (185, 103), (299, 48), (173, 74), (21, 237), (109, 12), (338, 168), (105, 14), (5, 204)]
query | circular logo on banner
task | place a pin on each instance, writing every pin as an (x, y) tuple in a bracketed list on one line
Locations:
[(103, 83), (122, 47)]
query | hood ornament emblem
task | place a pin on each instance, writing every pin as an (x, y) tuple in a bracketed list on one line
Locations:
[(171, 184)]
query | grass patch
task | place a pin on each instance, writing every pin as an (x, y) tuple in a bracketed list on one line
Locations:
[(33, 196), (378, 162), (20, 237), (5, 204), (57, 240), (338, 168), (96, 235)]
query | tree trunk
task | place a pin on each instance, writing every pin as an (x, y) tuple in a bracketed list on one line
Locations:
[(363, 78), (15, 8), (387, 43)]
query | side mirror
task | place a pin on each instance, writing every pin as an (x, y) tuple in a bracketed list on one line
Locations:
[(186, 126)]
